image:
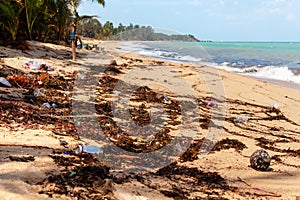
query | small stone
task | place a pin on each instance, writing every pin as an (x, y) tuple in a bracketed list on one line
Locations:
[(260, 160)]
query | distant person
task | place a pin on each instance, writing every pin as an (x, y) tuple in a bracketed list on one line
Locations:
[(72, 31)]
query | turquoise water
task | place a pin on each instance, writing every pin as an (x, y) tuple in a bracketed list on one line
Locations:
[(269, 60), (255, 53)]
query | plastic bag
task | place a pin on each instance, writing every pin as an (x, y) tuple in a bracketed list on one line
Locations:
[(36, 65)]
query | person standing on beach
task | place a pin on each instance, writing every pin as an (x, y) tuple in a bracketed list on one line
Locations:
[(72, 32)]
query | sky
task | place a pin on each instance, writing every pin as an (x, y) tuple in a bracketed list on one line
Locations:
[(217, 20)]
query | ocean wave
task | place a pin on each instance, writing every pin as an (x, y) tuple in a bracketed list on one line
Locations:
[(145, 50), (255, 68), (282, 73), (274, 72)]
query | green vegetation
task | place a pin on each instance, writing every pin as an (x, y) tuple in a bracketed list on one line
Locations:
[(92, 28), (43, 20), (50, 20)]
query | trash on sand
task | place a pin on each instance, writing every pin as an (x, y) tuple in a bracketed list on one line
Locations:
[(54, 105), (178, 147), (213, 104), (81, 75), (72, 173), (4, 82), (39, 92), (274, 105), (184, 75), (46, 105), (36, 65), (87, 149), (260, 160), (241, 119), (166, 100)]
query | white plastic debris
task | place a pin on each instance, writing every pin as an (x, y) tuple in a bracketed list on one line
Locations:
[(54, 105), (5, 82), (166, 100), (275, 105), (178, 147), (213, 104), (241, 119), (39, 92), (81, 75), (46, 105), (36, 65), (87, 149)]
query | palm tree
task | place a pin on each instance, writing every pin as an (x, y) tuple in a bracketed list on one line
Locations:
[(10, 12), (75, 3), (32, 8), (108, 29)]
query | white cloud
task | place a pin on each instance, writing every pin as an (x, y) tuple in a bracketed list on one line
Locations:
[(195, 3)]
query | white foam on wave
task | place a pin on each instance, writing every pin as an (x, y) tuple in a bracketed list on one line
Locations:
[(278, 73), (131, 47), (282, 73), (144, 50)]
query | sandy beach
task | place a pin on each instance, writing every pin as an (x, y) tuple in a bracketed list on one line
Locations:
[(233, 115)]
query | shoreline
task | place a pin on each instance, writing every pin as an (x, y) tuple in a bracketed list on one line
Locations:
[(226, 167), (176, 56)]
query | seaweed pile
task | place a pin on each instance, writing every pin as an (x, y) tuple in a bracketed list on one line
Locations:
[(268, 126), (37, 100), (83, 177)]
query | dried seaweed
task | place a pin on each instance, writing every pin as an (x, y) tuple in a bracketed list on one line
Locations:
[(22, 158)]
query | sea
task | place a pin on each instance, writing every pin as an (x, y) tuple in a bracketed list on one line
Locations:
[(276, 62)]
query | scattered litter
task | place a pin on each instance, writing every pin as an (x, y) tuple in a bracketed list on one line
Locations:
[(178, 147), (184, 75), (39, 92), (87, 149), (36, 65), (54, 105), (241, 119), (72, 173), (4, 82), (275, 105), (91, 149), (260, 160), (46, 105), (166, 100), (22, 159), (213, 104), (81, 75)]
